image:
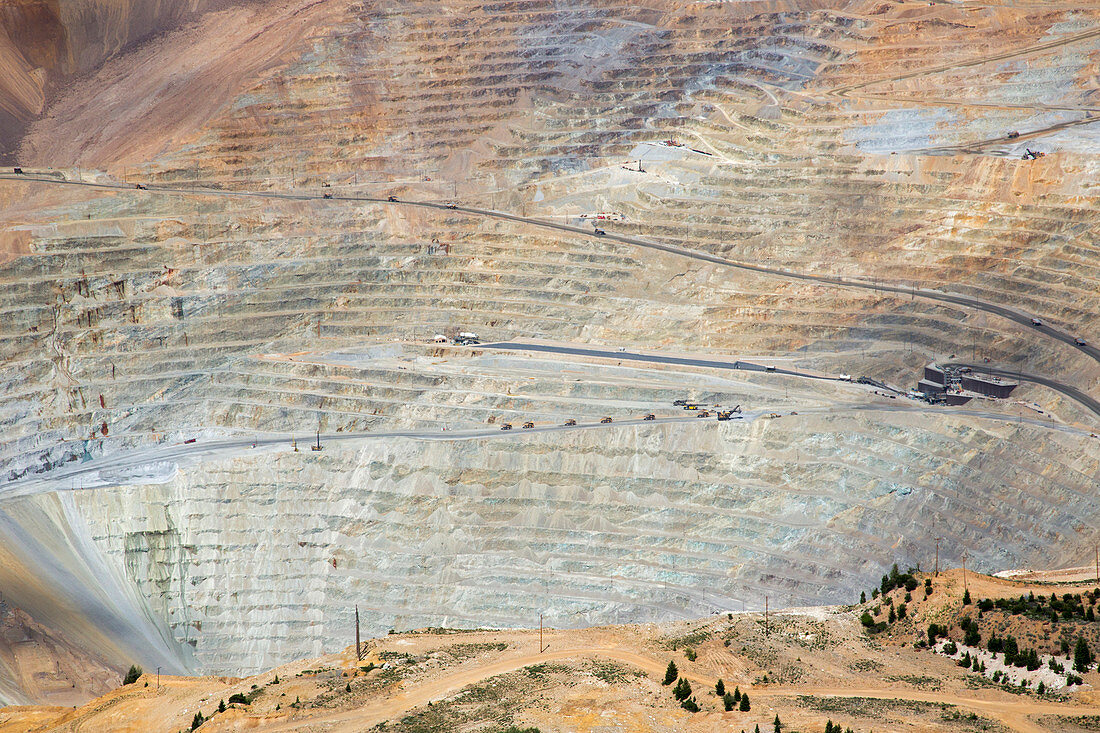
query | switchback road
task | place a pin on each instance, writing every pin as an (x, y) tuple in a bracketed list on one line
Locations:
[(964, 301)]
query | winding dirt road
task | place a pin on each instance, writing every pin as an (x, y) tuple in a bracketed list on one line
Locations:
[(1014, 712)]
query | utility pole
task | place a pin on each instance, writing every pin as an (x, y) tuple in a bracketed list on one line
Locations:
[(765, 615), (1096, 549), (158, 678), (964, 572), (358, 649), (936, 572), (541, 647)]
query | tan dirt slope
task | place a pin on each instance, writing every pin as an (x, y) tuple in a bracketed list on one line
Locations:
[(806, 666)]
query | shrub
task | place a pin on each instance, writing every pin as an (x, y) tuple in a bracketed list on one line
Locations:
[(867, 620), (238, 699), (133, 675), (950, 649), (728, 702), (671, 673), (690, 705), (690, 654)]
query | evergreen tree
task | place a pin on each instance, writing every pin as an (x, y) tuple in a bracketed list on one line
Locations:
[(671, 673), (745, 702), (893, 616), (133, 675), (736, 694), (719, 687), (728, 702), (863, 596), (197, 720), (221, 706), (776, 724), (829, 726), (757, 729), (966, 597), (1082, 657)]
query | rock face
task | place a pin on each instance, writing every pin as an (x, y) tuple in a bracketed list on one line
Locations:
[(46, 44), (136, 320)]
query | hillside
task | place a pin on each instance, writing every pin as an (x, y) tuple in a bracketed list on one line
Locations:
[(747, 205), (808, 666)]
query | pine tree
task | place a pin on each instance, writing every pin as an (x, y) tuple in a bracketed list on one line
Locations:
[(893, 615), (133, 675), (197, 720), (221, 706), (736, 693), (719, 687), (863, 596), (671, 673), (779, 726), (744, 702), (966, 597), (1082, 657), (757, 729), (728, 702)]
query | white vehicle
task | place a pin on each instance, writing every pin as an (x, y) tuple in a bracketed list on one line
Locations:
[(1036, 322), (845, 377)]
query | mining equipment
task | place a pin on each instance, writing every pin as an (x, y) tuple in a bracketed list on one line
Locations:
[(1036, 322), (725, 414), (528, 425), (452, 205), (318, 446), (679, 403), (140, 186), (1033, 154), (774, 414), (189, 440), (18, 170), (690, 406), (605, 420), (703, 413), (570, 421), (769, 368), (737, 409), (599, 232), (325, 184), (1013, 135), (326, 195), (650, 416), (506, 426), (392, 199), (1079, 341)]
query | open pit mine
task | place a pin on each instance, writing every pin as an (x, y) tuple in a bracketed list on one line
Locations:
[(474, 314)]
